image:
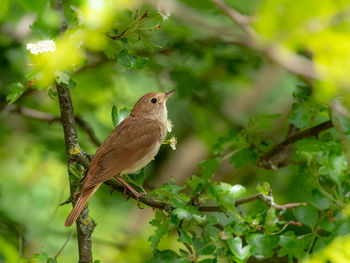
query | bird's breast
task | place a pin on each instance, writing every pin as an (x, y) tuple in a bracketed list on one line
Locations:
[(143, 161)]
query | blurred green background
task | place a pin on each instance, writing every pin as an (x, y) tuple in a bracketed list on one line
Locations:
[(221, 85)]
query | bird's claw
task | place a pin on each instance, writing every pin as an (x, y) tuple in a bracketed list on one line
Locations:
[(138, 196)]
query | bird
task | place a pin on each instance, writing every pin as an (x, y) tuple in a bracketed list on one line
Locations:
[(132, 145)]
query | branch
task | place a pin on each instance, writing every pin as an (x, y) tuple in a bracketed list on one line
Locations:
[(267, 161), (151, 202), (290, 61), (50, 118), (84, 225)]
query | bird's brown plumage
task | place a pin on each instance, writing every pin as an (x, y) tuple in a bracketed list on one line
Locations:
[(131, 146)]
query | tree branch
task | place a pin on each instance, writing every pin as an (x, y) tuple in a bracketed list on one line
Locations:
[(290, 61), (267, 160), (50, 118), (151, 202), (85, 226)]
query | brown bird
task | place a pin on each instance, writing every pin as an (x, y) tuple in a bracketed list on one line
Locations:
[(131, 146)]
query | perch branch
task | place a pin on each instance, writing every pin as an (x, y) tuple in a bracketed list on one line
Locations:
[(151, 202), (266, 159)]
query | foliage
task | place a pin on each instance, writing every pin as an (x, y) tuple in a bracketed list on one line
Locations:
[(236, 99)]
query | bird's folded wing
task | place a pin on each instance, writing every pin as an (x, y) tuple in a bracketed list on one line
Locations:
[(128, 143)]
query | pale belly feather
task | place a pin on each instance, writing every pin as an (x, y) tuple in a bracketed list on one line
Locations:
[(143, 161)]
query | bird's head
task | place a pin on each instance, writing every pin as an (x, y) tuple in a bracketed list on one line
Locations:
[(152, 106)]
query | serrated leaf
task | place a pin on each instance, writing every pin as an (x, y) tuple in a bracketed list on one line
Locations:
[(17, 89), (271, 221), (319, 200), (242, 157), (131, 61), (208, 168), (235, 246), (307, 215), (182, 213), (161, 222), (262, 245), (64, 79), (263, 188)]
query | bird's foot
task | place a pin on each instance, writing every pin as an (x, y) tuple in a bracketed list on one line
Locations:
[(138, 196)]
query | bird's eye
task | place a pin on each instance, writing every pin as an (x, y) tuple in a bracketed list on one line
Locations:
[(154, 100)]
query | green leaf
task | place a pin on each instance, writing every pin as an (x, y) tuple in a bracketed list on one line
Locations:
[(301, 115), (263, 188), (17, 89), (184, 237), (64, 79), (242, 157), (262, 245), (167, 256), (161, 222), (138, 178), (271, 221), (307, 215), (118, 117), (233, 191), (319, 200), (287, 241), (208, 168), (131, 61), (182, 213), (235, 246)]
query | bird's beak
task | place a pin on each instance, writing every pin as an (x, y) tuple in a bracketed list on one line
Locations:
[(167, 95)]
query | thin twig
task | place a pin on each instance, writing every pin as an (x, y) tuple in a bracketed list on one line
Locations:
[(266, 159), (290, 61), (65, 243), (50, 118), (20, 245)]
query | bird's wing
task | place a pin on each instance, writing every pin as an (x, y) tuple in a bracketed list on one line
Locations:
[(127, 144)]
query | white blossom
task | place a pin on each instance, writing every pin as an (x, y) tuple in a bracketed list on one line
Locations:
[(42, 46), (163, 11), (173, 142)]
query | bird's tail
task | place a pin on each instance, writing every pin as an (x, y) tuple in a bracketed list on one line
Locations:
[(83, 198)]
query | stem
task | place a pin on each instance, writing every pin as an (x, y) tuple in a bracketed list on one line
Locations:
[(85, 226)]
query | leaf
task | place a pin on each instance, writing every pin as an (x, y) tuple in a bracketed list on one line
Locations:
[(64, 79), (287, 241), (233, 191), (131, 61), (242, 157), (118, 117), (138, 178), (167, 256), (318, 200), (307, 215), (161, 222), (17, 89), (263, 188), (262, 245), (301, 115), (235, 245), (208, 168), (182, 213), (271, 221)]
